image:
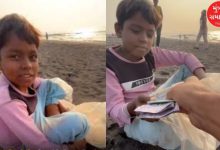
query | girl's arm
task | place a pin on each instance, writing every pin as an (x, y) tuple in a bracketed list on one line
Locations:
[(200, 73), (54, 109), (116, 106), (51, 110), (54, 95), (14, 114), (164, 58)]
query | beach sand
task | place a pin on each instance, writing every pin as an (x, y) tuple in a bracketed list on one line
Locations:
[(116, 138), (81, 64)]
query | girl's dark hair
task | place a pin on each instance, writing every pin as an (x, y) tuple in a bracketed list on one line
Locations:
[(18, 25), (127, 8)]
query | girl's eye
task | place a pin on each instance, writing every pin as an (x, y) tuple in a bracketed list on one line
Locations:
[(16, 57), (150, 35), (136, 31), (33, 57)]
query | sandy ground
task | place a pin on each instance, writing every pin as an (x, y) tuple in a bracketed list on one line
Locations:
[(116, 139), (81, 64)]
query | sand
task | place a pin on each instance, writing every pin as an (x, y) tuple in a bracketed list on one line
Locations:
[(80, 64), (116, 138)]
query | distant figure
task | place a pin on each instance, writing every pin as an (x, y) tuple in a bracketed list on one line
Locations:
[(159, 28), (185, 36), (47, 37), (180, 36), (203, 31)]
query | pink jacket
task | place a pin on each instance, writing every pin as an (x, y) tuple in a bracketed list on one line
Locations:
[(118, 96), (16, 126)]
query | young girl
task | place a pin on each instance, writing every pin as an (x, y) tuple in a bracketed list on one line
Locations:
[(130, 72), (24, 96), (203, 31)]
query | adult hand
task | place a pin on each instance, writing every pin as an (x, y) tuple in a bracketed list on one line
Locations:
[(201, 104), (185, 93)]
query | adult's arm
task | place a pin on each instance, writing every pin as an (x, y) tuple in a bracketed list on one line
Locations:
[(201, 104)]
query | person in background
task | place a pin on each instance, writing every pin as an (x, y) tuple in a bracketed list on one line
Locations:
[(203, 31), (159, 27), (47, 36)]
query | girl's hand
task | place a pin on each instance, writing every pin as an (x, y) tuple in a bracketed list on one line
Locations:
[(63, 107), (200, 73), (140, 100), (52, 110)]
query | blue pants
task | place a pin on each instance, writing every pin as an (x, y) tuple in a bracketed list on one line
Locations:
[(66, 127)]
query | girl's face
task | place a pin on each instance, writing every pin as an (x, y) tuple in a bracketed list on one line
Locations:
[(137, 37), (19, 62)]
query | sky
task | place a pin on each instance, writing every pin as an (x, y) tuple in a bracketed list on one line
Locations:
[(180, 16), (59, 16)]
